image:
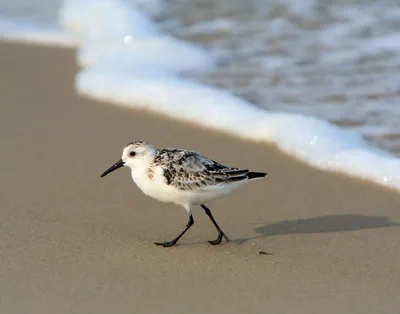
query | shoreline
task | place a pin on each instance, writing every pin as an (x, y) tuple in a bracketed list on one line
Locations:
[(72, 242)]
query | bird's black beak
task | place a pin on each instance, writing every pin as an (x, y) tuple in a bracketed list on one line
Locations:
[(115, 166)]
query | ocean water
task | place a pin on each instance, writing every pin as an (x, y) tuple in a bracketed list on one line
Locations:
[(317, 78), (335, 59)]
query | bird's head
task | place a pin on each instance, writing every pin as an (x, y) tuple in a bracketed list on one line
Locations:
[(135, 154)]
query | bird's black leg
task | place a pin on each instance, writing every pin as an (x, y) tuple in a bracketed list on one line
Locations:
[(173, 242), (220, 232)]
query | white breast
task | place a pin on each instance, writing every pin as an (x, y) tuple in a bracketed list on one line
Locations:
[(157, 188), (154, 187)]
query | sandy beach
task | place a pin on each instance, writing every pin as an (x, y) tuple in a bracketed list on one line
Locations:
[(71, 242)]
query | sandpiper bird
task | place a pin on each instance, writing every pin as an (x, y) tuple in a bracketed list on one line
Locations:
[(182, 177)]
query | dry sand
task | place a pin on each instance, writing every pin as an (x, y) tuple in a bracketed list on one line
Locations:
[(71, 242)]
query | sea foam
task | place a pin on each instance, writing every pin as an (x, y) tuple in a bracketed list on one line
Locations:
[(128, 61), (108, 27)]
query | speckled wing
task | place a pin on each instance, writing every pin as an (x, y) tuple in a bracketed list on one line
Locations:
[(187, 170)]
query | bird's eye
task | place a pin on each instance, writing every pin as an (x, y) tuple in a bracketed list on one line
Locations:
[(132, 154)]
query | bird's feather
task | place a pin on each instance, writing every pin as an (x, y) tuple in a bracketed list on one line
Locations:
[(188, 170)]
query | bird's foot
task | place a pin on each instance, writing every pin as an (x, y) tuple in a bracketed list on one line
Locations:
[(166, 243), (219, 239)]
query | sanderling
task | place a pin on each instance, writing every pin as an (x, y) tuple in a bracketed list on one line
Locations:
[(182, 177)]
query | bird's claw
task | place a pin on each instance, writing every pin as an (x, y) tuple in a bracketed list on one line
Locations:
[(165, 243), (219, 239)]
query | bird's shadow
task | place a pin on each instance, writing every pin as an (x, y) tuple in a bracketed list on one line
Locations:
[(321, 224)]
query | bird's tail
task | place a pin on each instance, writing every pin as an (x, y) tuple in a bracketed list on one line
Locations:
[(256, 175)]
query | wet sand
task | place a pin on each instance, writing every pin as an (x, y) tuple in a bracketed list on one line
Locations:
[(71, 242)]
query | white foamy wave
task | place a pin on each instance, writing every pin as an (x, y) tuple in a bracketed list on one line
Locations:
[(105, 18), (104, 27), (33, 33)]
